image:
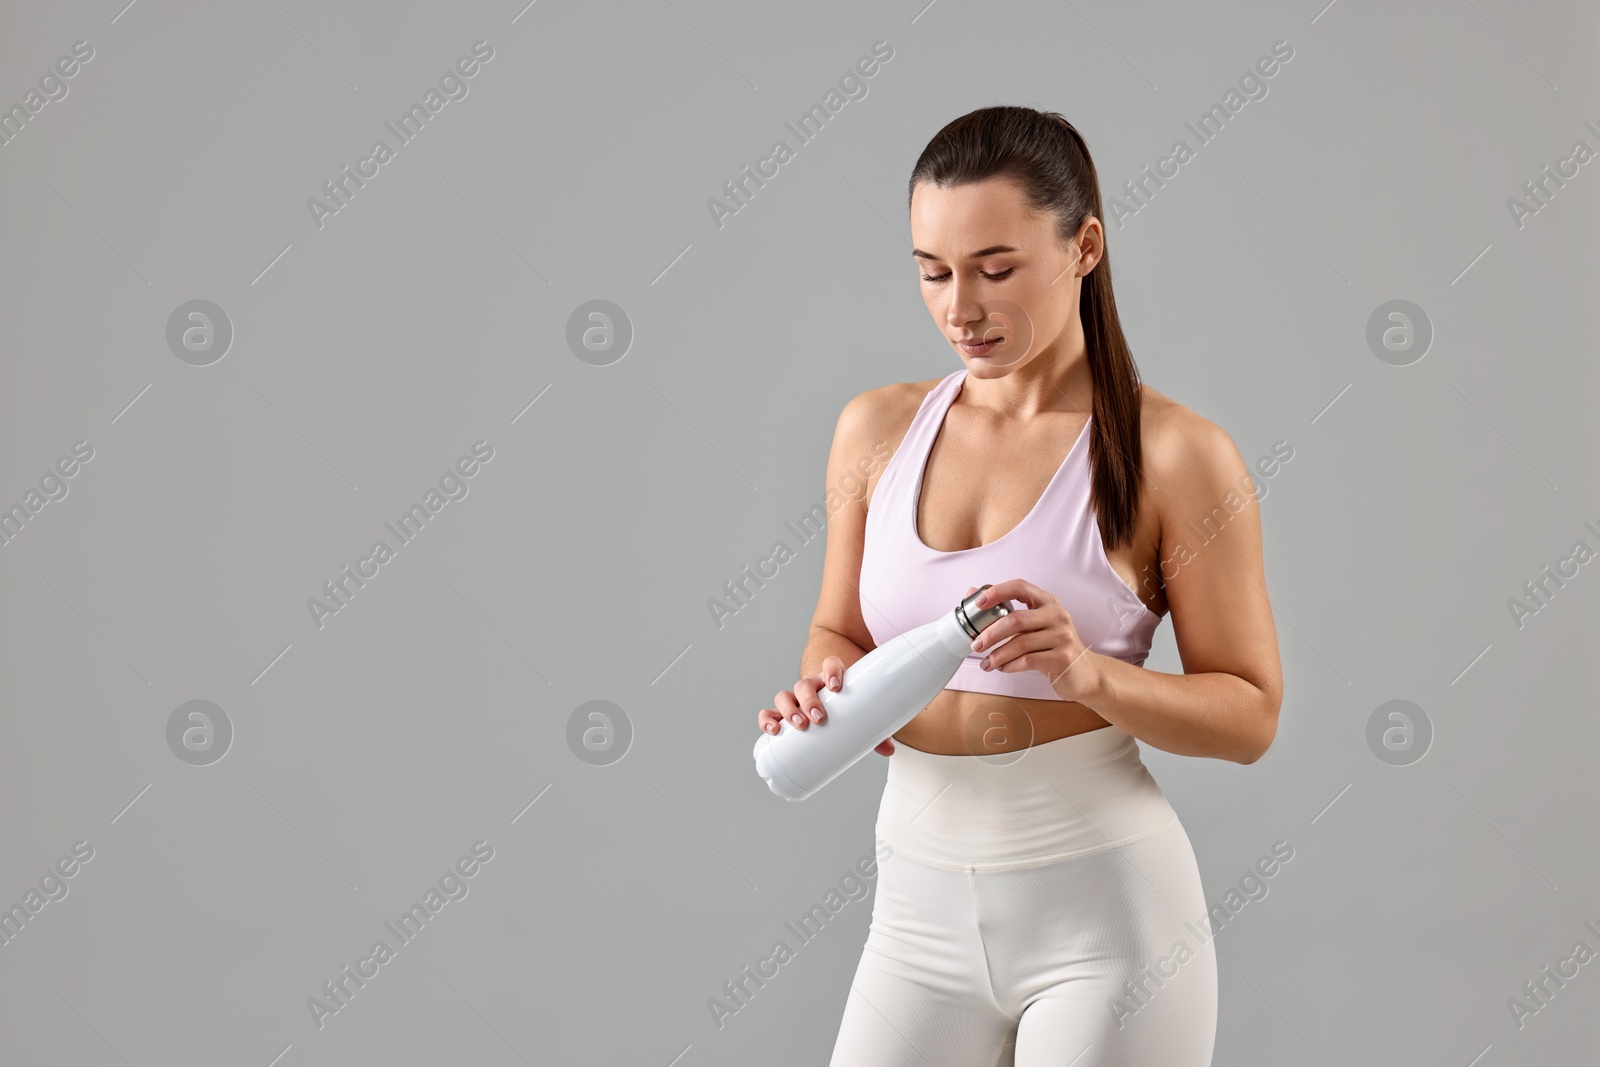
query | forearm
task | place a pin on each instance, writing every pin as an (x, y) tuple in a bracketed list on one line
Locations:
[(1222, 716)]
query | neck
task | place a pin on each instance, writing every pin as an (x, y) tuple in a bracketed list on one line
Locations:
[(1055, 380)]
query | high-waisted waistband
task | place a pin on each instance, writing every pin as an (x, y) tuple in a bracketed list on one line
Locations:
[(1070, 797)]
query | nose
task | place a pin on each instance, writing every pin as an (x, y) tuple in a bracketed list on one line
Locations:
[(964, 306)]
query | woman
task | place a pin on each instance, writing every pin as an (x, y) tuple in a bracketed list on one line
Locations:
[(1041, 903)]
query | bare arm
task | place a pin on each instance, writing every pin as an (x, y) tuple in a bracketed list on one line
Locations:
[(1225, 703), (820, 646), (838, 635)]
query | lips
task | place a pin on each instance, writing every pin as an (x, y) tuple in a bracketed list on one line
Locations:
[(979, 346)]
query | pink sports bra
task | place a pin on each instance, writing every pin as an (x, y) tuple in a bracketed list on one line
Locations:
[(1057, 547)]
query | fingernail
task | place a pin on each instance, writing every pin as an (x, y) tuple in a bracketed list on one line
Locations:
[(976, 642), (986, 663), (797, 718), (834, 682)]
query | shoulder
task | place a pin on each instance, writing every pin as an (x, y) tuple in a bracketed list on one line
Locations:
[(1185, 451), (882, 415), (870, 429)]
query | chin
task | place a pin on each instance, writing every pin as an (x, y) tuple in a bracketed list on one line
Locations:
[(991, 366)]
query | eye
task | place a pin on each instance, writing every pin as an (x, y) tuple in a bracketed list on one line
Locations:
[(992, 277)]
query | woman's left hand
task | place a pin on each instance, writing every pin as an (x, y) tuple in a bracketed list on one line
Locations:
[(1042, 638)]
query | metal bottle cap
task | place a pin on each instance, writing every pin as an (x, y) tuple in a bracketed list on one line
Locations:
[(975, 620)]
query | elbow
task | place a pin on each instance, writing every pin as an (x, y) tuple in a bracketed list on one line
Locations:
[(1255, 752), (1251, 755), (1266, 729)]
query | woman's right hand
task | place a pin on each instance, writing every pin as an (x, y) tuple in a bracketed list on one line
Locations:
[(802, 708)]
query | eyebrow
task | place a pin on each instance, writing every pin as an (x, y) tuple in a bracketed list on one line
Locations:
[(979, 254)]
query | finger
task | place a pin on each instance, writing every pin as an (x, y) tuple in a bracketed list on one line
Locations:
[(769, 720), (1040, 607), (884, 747), (996, 632), (790, 707), (1016, 648), (1019, 589), (1025, 620), (805, 694), (833, 670)]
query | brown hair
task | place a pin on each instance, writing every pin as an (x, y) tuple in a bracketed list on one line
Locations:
[(1047, 157)]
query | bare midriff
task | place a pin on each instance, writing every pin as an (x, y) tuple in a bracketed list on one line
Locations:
[(963, 723)]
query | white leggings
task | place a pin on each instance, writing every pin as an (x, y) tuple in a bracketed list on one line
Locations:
[(1039, 907)]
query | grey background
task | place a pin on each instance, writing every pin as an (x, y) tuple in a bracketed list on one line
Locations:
[(433, 711)]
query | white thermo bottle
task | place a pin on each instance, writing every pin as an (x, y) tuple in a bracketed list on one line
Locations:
[(878, 694)]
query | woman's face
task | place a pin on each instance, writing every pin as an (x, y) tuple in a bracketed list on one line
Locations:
[(993, 271)]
